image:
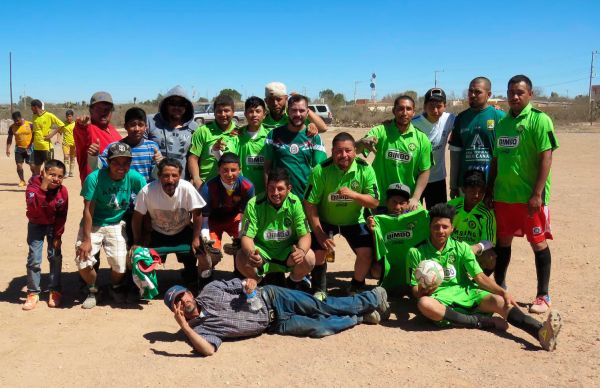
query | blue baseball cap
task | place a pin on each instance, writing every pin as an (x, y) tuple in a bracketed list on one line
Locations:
[(172, 294)]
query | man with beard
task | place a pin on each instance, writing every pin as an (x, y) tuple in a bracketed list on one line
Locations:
[(174, 208), (291, 146), (172, 127), (339, 189), (402, 152), (472, 138), (94, 133)]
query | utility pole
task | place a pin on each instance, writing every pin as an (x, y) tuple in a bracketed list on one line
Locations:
[(594, 53), (435, 73), (355, 85), (10, 71)]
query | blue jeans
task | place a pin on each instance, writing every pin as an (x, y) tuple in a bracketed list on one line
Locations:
[(35, 240), (300, 314)]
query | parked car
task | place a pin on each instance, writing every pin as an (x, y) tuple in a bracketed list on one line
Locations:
[(204, 113), (323, 111)]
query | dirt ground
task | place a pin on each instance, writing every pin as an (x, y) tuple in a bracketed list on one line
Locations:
[(142, 346)]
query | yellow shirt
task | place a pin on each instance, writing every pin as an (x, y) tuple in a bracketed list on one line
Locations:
[(22, 134), (41, 127), (67, 132)]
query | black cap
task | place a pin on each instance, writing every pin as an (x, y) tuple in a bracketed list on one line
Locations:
[(435, 94)]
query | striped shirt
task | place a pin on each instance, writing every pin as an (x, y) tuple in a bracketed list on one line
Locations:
[(142, 158), (224, 313)]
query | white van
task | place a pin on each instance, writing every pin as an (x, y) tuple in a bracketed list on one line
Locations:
[(323, 111)]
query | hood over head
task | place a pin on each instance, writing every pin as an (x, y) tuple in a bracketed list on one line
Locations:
[(177, 91)]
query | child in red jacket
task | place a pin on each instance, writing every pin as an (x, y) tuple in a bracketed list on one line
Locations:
[(47, 204)]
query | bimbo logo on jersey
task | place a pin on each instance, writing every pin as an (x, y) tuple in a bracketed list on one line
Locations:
[(399, 156), (335, 197), (508, 141), (399, 235), (277, 235), (255, 160)]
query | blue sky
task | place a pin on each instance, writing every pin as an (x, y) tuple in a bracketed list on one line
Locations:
[(66, 50)]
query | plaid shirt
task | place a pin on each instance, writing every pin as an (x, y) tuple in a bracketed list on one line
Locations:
[(224, 313)]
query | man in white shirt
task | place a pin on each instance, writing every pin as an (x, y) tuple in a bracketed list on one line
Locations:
[(174, 209), (437, 124)]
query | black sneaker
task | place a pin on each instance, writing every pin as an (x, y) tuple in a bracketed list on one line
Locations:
[(118, 294)]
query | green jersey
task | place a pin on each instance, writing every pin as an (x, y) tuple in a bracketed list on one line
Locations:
[(327, 179), (473, 136), (394, 236), (252, 158), (274, 231), (297, 152), (111, 198), (270, 123), (474, 226), (519, 142), (400, 157), (203, 140), (457, 259)]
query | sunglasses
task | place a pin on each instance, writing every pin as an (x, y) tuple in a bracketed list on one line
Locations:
[(179, 103)]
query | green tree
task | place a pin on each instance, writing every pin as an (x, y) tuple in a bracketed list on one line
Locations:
[(338, 100), (237, 96), (327, 95)]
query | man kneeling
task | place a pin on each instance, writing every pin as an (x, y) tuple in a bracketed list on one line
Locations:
[(224, 310), (466, 291)]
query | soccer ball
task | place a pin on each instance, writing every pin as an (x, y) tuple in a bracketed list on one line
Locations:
[(429, 274)]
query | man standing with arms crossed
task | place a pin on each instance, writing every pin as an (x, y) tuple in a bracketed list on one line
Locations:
[(520, 183), (472, 138)]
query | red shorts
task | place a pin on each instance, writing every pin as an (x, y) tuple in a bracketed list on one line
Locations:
[(513, 219), (230, 226)]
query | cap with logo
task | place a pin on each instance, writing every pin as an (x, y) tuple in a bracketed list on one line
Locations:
[(101, 97), (119, 149), (172, 294), (435, 94), (275, 89), (398, 189)]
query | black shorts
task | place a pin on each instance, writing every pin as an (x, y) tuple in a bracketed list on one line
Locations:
[(434, 193), (39, 157), (357, 235), (21, 155)]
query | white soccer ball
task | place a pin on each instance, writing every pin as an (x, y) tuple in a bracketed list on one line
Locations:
[(429, 274)]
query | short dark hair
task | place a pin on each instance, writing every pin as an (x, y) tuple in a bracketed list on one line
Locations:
[(403, 97), (254, 102), (521, 78), (297, 98), (343, 136), (223, 100), (486, 81), (54, 163), (135, 113), (228, 157), (442, 210), (69, 112), (278, 174), (37, 103), (474, 178), (16, 116), (171, 162)]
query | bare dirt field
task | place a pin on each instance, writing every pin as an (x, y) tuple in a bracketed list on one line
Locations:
[(142, 346)]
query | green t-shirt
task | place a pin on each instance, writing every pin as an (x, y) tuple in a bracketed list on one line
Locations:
[(473, 136), (394, 236), (324, 182), (274, 230), (457, 259), (519, 142), (251, 152), (474, 226), (400, 158), (270, 123), (111, 198), (297, 152), (202, 141)]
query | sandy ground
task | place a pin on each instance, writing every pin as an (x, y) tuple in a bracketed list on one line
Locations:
[(112, 345)]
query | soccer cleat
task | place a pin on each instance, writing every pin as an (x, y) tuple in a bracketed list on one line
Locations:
[(548, 333), (540, 305), (54, 299), (90, 301), (233, 247), (384, 308), (31, 301), (22, 184), (303, 284), (320, 295)]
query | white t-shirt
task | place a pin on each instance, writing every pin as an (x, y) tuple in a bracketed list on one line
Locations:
[(169, 215), (438, 134)]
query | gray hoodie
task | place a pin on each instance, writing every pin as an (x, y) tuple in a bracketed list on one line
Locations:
[(173, 142)]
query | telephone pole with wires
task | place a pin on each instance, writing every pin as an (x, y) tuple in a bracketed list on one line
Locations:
[(594, 53)]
